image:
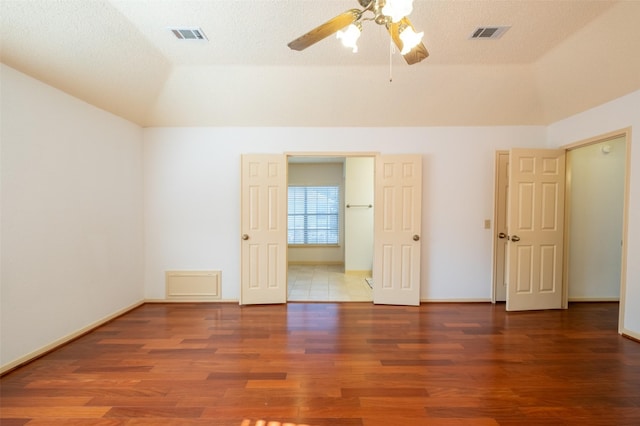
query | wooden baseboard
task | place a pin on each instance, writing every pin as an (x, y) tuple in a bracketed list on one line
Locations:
[(64, 340), (630, 335), (594, 299), (455, 300), (358, 273), (191, 301)]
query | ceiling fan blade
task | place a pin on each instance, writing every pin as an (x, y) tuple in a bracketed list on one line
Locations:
[(326, 29), (416, 54)]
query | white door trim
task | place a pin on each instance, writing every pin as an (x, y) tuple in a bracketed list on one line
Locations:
[(626, 133), (499, 210)]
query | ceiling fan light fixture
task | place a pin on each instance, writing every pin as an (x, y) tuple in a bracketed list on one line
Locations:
[(348, 25), (397, 9), (350, 36), (409, 38)]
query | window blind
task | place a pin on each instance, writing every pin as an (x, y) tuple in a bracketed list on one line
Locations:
[(313, 214)]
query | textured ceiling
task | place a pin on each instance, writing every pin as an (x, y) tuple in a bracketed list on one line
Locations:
[(120, 56)]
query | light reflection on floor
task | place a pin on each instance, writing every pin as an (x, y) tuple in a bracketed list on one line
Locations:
[(270, 423)]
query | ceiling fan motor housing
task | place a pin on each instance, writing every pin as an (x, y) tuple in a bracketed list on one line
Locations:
[(375, 6)]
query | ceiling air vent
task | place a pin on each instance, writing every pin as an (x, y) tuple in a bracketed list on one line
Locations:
[(489, 32), (188, 33)]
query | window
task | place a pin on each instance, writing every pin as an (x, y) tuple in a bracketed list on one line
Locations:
[(313, 214)]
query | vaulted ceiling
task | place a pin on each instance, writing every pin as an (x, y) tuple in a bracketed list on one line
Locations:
[(557, 58)]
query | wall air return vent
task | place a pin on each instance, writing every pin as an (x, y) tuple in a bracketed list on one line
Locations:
[(188, 33), (488, 33)]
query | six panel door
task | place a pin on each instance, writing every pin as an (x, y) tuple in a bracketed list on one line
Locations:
[(536, 226), (264, 229), (397, 227)]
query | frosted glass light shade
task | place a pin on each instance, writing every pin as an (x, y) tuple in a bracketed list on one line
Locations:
[(410, 39), (397, 9), (349, 37)]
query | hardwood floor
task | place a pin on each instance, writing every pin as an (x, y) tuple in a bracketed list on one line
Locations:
[(336, 364)]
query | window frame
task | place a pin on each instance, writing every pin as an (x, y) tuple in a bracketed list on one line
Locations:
[(332, 218)]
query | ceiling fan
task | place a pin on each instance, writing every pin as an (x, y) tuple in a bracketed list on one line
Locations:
[(390, 13)]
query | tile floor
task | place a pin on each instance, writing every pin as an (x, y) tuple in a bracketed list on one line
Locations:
[(326, 283)]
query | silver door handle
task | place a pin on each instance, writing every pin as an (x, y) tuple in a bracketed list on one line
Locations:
[(515, 238), (245, 237)]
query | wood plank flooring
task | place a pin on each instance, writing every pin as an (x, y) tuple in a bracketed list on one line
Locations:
[(336, 364)]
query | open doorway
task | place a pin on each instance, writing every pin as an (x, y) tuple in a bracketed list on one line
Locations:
[(594, 220), (330, 228), (397, 212), (595, 200)]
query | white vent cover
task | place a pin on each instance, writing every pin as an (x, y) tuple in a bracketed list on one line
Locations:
[(193, 285), (489, 32), (188, 33)]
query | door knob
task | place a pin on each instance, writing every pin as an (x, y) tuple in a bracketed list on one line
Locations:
[(416, 237), (245, 237), (502, 235), (515, 238)]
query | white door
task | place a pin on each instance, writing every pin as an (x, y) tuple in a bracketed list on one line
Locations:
[(397, 224), (264, 229), (536, 229)]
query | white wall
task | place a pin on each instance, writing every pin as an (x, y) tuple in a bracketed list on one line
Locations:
[(359, 191), (568, 77), (192, 196), (596, 203), (318, 174), (71, 207), (615, 115)]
